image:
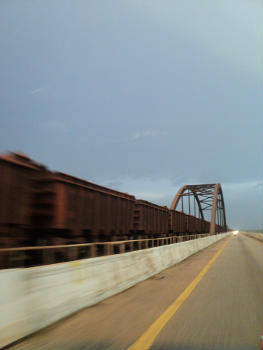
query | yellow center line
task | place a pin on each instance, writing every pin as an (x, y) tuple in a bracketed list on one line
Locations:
[(148, 337)]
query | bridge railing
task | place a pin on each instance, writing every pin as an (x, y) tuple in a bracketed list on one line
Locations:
[(44, 255)]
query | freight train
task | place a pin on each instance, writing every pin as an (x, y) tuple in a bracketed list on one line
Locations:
[(41, 207)]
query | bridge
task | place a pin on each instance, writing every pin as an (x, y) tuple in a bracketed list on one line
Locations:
[(202, 199), (187, 292)]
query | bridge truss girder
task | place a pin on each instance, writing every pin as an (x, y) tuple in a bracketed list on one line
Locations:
[(209, 198)]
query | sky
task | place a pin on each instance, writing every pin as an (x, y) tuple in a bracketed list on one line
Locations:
[(143, 96)]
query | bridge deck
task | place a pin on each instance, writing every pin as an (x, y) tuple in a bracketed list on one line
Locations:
[(224, 310)]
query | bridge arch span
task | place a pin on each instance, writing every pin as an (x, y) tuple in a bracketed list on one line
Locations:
[(206, 200)]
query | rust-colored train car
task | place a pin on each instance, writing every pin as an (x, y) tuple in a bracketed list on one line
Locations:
[(172, 221), (200, 225), (150, 219), (17, 173), (182, 223), (206, 227), (68, 207), (189, 223), (39, 207), (196, 225), (178, 222)]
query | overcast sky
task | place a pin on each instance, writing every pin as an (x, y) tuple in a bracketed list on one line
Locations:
[(143, 96)]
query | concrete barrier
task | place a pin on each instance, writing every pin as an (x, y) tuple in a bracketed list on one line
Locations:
[(34, 298)]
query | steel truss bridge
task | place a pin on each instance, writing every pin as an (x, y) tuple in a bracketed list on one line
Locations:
[(205, 202)]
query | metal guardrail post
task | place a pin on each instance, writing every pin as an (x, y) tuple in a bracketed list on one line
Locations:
[(131, 244), (92, 251), (107, 249), (122, 248)]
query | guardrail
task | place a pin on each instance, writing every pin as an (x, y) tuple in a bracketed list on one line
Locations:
[(45, 255)]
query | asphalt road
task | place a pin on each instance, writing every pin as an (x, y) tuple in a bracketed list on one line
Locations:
[(223, 311)]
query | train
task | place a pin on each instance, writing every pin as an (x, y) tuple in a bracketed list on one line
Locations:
[(42, 207)]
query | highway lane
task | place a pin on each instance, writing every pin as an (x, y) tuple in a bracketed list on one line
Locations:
[(224, 310)]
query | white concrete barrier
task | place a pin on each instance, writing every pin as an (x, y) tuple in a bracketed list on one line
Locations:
[(33, 298)]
